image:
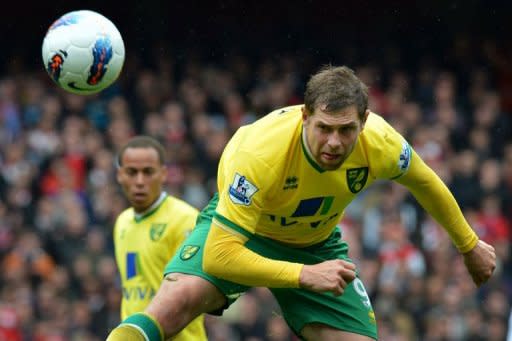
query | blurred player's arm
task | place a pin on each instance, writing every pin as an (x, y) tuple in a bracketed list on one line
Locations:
[(438, 201)]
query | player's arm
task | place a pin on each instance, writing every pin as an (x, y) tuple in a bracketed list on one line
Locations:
[(244, 181), (438, 201), (119, 259), (228, 258), (393, 158), (116, 241)]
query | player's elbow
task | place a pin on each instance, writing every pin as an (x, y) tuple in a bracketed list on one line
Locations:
[(221, 251)]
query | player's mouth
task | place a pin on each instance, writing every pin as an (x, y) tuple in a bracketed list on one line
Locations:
[(139, 196), (331, 157)]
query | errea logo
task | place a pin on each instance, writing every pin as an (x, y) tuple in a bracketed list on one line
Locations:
[(291, 182)]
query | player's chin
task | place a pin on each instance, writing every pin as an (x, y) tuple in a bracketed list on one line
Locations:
[(331, 163), (329, 166), (139, 199)]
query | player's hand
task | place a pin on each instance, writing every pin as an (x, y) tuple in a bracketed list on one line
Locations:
[(329, 276), (480, 262)]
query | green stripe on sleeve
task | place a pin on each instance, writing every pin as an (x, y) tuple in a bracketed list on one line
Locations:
[(223, 221)]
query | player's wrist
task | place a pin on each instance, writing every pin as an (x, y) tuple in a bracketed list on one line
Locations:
[(469, 246)]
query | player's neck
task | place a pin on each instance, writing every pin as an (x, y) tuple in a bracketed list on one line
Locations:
[(152, 207), (305, 142), (307, 150)]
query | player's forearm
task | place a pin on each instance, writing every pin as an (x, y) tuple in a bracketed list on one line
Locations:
[(438, 201), (226, 257)]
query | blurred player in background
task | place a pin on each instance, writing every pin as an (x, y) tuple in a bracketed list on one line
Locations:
[(284, 182), (147, 234)]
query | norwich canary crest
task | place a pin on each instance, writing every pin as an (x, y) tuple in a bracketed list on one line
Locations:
[(188, 251), (356, 178)]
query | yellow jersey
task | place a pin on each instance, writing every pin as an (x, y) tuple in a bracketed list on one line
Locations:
[(143, 246), (270, 185)]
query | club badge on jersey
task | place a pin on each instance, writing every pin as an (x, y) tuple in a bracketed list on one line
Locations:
[(241, 190)]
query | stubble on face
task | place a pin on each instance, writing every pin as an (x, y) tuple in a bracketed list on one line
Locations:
[(331, 137)]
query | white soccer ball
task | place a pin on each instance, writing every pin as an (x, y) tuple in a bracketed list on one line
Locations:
[(83, 52)]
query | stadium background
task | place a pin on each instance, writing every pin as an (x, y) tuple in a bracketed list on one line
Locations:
[(439, 71)]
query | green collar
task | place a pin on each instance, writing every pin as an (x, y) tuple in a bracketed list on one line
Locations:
[(307, 153)]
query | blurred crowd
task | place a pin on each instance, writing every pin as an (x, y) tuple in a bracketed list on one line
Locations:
[(59, 196)]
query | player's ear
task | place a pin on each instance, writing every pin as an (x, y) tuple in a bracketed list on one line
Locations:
[(304, 113), (119, 174), (365, 117), (163, 173)]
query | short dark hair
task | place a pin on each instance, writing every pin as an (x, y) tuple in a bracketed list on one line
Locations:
[(335, 88), (142, 141)]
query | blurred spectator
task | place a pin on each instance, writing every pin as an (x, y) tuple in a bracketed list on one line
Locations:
[(58, 198)]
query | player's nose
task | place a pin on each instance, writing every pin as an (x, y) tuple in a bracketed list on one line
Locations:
[(334, 141), (139, 179)]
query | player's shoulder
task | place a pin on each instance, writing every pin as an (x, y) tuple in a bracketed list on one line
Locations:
[(269, 135), (378, 132), (178, 205), (125, 215), (123, 219), (291, 109), (376, 123), (388, 152)]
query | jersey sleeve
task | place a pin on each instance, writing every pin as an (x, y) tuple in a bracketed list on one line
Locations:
[(229, 259), (244, 183), (115, 236), (438, 201)]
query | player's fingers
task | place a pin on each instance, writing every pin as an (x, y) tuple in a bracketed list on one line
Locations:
[(348, 275), (480, 279), (476, 280), (338, 291), (342, 283), (348, 265)]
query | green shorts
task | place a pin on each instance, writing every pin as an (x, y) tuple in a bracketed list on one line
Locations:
[(351, 311)]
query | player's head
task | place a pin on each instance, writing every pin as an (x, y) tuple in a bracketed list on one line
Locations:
[(141, 171), (334, 88), (334, 113)]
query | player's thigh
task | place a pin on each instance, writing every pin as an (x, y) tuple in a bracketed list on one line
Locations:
[(351, 312), (318, 331), (189, 260), (181, 298)]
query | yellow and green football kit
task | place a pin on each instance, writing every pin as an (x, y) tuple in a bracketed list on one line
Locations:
[(277, 209), (144, 243)]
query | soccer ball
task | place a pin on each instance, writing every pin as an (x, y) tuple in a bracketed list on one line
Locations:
[(83, 52)]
